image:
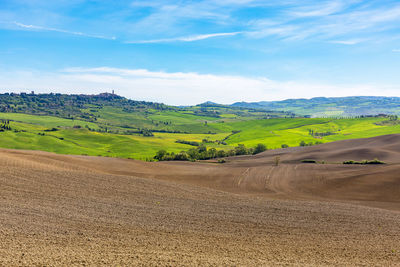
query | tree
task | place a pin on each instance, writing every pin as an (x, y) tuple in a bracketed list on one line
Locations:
[(160, 155), (231, 153), (259, 148), (240, 149), (181, 156), (193, 153), (212, 153), (202, 148), (221, 154)]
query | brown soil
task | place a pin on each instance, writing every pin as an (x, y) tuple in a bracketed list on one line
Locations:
[(76, 210)]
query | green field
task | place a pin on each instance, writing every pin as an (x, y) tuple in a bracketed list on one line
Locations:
[(32, 132), (113, 126)]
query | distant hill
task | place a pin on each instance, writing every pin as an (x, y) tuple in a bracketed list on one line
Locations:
[(330, 106), (114, 113), (70, 106)]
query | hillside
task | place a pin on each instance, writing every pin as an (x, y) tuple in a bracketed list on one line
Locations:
[(79, 210), (113, 126), (331, 106), (117, 113)]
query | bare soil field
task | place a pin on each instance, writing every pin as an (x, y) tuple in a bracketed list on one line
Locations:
[(77, 210)]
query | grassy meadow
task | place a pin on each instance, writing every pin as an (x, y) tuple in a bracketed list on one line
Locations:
[(70, 136)]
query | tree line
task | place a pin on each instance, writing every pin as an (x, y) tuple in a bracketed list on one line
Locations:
[(201, 152)]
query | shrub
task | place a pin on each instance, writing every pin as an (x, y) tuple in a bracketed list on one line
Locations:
[(160, 154), (364, 162), (51, 130), (221, 160), (181, 156), (202, 148), (259, 148), (241, 150), (309, 161), (146, 133), (374, 161), (221, 154), (284, 146), (191, 143), (231, 153), (250, 151)]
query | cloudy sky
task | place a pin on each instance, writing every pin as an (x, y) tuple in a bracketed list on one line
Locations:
[(187, 52)]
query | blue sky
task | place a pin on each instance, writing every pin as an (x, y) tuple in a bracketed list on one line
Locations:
[(187, 52)]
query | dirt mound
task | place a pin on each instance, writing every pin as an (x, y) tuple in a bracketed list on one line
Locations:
[(76, 210)]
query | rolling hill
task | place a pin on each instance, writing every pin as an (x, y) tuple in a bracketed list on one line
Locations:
[(113, 126), (331, 106)]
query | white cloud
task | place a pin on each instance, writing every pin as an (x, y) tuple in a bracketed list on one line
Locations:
[(40, 28), (348, 42), (330, 20), (178, 88), (396, 50), (191, 38), (323, 10)]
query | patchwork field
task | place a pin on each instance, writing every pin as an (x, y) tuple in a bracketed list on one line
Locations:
[(107, 136)]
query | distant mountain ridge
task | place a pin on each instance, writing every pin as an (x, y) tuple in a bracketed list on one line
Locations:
[(70, 106), (330, 106)]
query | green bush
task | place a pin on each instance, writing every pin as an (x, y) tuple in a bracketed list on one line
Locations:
[(351, 162), (191, 143), (241, 150), (309, 161), (374, 161), (364, 162), (259, 148)]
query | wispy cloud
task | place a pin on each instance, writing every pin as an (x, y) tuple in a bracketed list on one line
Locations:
[(324, 20), (348, 42), (396, 50), (323, 9), (191, 38), (41, 28), (351, 20)]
